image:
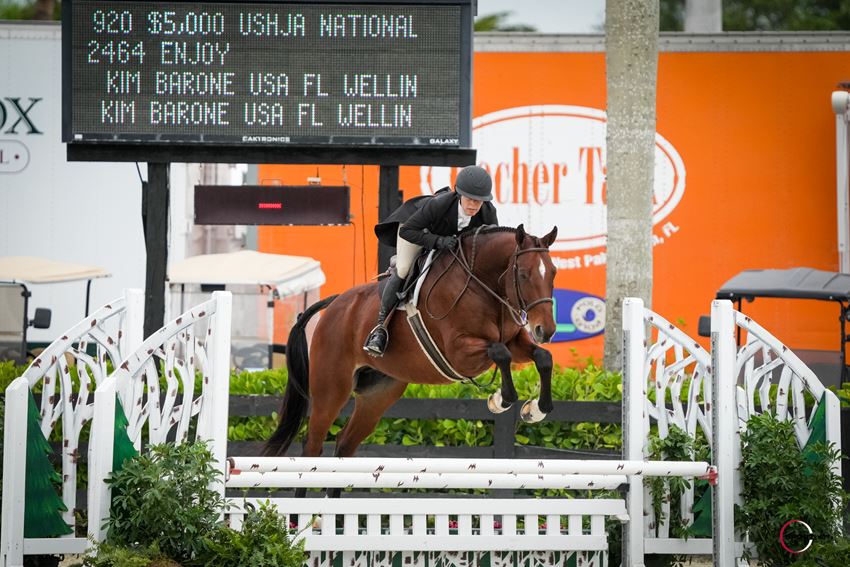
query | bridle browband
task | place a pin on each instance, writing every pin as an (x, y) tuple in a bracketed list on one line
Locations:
[(518, 314)]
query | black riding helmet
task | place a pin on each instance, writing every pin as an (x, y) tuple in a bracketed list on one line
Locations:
[(475, 183)]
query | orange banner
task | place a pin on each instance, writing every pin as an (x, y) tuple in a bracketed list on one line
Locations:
[(744, 179)]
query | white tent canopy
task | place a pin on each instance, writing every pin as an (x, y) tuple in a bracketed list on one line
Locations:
[(30, 269), (289, 275)]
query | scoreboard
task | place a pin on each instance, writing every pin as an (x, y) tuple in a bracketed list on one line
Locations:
[(328, 74)]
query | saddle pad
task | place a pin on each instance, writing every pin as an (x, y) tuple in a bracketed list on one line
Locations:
[(421, 275)]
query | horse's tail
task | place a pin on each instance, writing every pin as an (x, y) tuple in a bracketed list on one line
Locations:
[(297, 394)]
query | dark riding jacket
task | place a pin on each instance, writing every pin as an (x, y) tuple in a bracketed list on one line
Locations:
[(426, 218)]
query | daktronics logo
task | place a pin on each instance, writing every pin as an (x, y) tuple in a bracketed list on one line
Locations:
[(548, 166)]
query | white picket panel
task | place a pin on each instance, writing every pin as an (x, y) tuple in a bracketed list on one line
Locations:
[(404, 525), (179, 352), (666, 360), (112, 331)]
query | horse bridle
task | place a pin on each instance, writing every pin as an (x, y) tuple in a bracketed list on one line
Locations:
[(519, 315), (524, 307)]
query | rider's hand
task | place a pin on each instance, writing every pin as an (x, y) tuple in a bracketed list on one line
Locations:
[(445, 242)]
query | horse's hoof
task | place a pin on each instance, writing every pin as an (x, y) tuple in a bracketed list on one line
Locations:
[(531, 413), (496, 404)]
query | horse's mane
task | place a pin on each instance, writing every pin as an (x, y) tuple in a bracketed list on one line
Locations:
[(489, 229)]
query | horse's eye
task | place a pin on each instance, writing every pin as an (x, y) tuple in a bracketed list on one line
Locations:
[(523, 274)]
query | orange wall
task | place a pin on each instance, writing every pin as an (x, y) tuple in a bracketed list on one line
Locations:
[(756, 134)]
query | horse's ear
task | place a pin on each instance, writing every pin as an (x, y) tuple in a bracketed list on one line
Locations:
[(549, 238), (520, 234)]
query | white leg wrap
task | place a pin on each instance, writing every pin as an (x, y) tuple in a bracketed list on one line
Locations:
[(495, 403), (531, 412)]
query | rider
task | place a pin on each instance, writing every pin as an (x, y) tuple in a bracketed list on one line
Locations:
[(431, 223)]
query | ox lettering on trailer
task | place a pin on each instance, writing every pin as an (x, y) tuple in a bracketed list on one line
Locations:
[(230, 72), (269, 205)]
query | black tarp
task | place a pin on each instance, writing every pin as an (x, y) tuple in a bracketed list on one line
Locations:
[(795, 283)]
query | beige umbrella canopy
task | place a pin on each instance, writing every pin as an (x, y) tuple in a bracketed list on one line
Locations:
[(288, 275), (32, 269)]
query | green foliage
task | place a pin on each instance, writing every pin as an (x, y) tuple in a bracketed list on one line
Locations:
[(590, 383), (2, 424), (29, 10), (843, 394), (163, 498), (826, 554), (108, 555), (497, 22), (677, 446), (269, 382), (767, 15), (781, 483), (9, 370), (263, 542)]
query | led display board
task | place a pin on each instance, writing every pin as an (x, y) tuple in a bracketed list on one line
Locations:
[(327, 74), (272, 204)]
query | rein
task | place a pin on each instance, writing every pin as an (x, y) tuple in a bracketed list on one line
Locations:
[(518, 314)]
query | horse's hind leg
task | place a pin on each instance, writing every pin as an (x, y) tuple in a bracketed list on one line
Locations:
[(331, 385), (504, 398), (371, 402)]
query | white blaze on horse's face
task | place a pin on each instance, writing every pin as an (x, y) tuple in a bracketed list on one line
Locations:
[(542, 269)]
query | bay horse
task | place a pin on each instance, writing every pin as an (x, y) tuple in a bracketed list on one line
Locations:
[(489, 301)]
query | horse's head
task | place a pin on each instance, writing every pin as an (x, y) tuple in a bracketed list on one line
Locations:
[(534, 281)]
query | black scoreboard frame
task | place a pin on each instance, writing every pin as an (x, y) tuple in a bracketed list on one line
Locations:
[(282, 153)]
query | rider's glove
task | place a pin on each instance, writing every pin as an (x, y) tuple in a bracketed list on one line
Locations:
[(445, 242)]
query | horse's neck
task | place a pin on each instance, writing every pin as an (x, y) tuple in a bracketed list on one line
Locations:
[(492, 255)]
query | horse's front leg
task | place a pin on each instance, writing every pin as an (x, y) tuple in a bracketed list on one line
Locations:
[(504, 398), (525, 349)]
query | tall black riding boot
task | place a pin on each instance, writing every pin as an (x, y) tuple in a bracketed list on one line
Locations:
[(376, 344)]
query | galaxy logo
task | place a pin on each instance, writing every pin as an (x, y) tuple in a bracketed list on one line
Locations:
[(577, 315)]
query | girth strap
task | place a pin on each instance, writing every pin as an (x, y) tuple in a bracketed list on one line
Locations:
[(426, 343)]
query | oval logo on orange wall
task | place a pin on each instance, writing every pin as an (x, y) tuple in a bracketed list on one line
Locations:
[(548, 168)]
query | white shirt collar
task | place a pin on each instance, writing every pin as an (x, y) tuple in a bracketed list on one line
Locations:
[(462, 218)]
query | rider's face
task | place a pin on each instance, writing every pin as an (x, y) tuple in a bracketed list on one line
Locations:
[(470, 206)]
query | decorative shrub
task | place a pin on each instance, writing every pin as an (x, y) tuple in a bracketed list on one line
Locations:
[(263, 542), (162, 498), (781, 483)]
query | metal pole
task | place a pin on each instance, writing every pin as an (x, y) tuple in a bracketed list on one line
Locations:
[(840, 100), (389, 199), (88, 297), (155, 221)]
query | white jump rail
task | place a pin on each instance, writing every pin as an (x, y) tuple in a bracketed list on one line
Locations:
[(410, 526), (465, 466), (114, 330)]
